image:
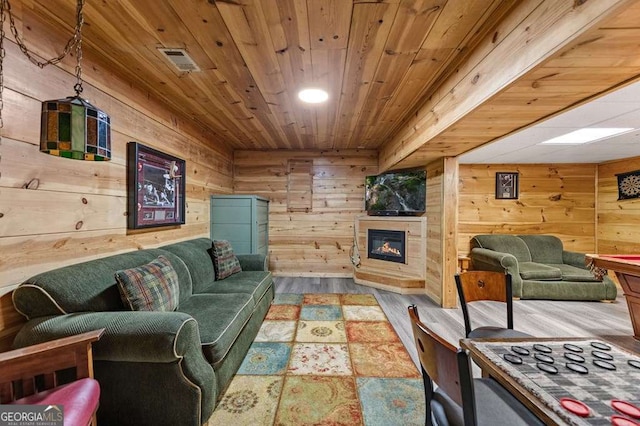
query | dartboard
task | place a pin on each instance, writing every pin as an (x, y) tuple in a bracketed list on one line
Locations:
[(630, 185)]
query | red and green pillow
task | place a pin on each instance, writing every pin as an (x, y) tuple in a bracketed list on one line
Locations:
[(150, 287), (225, 261)]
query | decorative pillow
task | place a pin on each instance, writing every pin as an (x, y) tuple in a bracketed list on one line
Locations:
[(150, 287), (225, 262)]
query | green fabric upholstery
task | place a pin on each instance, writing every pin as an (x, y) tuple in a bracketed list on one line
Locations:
[(123, 339), (574, 259), (539, 271), (160, 368), (227, 367), (572, 273), (195, 254), (88, 286), (253, 262), (554, 273), (150, 287), (254, 283), (543, 248), (221, 317), (503, 243)]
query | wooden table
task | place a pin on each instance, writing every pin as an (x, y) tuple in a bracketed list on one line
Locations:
[(627, 269), (540, 392)]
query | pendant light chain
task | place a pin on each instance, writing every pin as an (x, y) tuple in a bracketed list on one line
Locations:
[(74, 41), (2, 55)]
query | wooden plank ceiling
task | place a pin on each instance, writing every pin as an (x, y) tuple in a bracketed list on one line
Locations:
[(385, 64), (377, 59)]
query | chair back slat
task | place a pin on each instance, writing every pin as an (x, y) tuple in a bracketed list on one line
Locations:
[(437, 357), (483, 285), (6, 392), (28, 387)]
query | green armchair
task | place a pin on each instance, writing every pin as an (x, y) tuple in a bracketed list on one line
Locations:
[(540, 267)]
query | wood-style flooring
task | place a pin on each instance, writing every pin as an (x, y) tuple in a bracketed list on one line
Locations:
[(540, 318)]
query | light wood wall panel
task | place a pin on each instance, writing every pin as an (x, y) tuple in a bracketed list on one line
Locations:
[(554, 199), (435, 238), (56, 211), (318, 242), (618, 220)]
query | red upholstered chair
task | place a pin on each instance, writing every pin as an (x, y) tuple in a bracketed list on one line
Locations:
[(28, 376)]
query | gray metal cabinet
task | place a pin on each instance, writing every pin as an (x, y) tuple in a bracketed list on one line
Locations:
[(243, 220)]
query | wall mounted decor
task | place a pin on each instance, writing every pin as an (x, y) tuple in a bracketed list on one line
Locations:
[(506, 185), (155, 188), (628, 185)]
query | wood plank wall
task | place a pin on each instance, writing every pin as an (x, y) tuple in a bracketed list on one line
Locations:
[(56, 211), (314, 243), (554, 199), (618, 220), (435, 236)]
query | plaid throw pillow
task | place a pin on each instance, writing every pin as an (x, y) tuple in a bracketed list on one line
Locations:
[(225, 262), (150, 287)]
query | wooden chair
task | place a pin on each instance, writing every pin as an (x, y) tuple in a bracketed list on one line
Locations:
[(491, 286), (459, 399), (30, 376)]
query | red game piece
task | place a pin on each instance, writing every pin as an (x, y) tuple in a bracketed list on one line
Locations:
[(622, 421), (578, 408), (626, 408)]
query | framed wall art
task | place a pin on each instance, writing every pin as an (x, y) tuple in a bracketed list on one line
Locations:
[(506, 185), (155, 188), (628, 185)]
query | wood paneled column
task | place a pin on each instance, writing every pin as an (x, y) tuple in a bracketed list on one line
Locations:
[(442, 236)]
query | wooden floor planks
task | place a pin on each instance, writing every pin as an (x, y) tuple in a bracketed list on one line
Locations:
[(541, 318)]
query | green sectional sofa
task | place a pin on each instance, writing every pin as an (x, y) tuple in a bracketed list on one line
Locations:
[(540, 267), (154, 368)]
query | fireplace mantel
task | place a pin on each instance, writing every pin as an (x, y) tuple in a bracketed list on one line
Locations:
[(405, 278)]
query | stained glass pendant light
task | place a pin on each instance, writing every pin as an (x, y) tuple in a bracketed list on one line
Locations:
[(73, 127)]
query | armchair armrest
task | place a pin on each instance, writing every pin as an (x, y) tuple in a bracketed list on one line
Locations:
[(129, 336), (253, 262), (490, 260), (46, 359), (574, 259)]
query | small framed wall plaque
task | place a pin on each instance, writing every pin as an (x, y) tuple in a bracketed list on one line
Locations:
[(155, 188), (506, 185)]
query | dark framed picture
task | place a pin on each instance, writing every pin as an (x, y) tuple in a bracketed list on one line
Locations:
[(506, 185), (628, 185), (155, 188)]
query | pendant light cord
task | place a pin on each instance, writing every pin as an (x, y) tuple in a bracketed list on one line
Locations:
[(74, 41)]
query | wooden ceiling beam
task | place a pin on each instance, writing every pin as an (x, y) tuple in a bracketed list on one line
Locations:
[(534, 32)]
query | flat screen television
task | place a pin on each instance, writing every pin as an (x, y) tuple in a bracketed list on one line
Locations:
[(396, 193)]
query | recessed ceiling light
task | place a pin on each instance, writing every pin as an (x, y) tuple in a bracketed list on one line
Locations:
[(313, 96), (588, 134)]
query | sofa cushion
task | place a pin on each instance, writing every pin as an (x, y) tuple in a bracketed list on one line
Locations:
[(196, 255), (255, 283), (544, 248), (221, 318), (505, 244), (538, 271), (150, 287), (572, 273), (93, 287), (225, 261)]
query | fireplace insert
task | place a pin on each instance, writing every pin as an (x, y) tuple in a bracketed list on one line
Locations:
[(386, 245)]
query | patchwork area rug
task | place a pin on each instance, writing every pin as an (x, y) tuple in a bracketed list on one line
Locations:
[(324, 359)]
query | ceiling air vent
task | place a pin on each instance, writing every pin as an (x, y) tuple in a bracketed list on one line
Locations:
[(180, 59)]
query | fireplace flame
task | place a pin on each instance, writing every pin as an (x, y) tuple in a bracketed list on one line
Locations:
[(387, 249)]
